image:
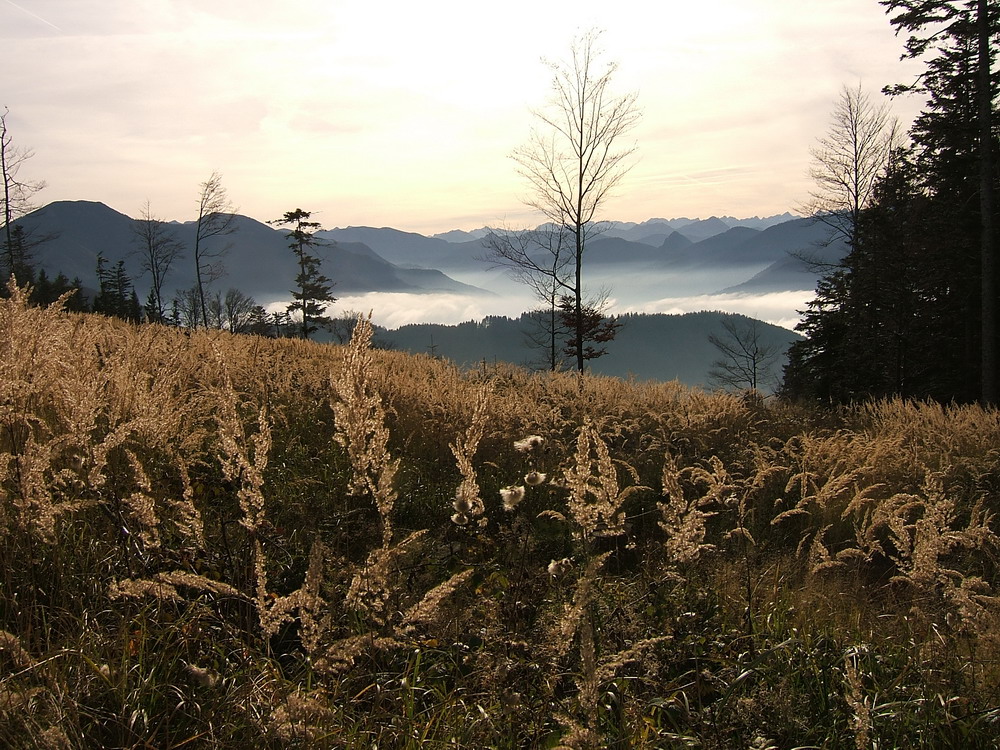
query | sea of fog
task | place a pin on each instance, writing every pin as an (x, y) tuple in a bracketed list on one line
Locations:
[(639, 292)]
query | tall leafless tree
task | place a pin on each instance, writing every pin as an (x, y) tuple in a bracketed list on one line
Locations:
[(849, 160), (216, 218), (575, 158), (17, 200), (158, 248)]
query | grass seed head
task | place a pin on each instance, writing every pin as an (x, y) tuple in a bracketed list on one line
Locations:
[(512, 496), (529, 444), (534, 478), (560, 567), (202, 676), (462, 504)]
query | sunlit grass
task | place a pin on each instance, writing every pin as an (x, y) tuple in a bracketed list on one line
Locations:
[(216, 541)]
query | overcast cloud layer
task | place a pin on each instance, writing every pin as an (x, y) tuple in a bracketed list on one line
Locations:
[(404, 114)]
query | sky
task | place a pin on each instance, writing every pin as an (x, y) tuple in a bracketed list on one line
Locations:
[(405, 114)]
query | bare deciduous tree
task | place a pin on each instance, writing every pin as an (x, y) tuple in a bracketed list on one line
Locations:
[(239, 311), (849, 160), (16, 197), (186, 309), (746, 362), (543, 333), (158, 248), (539, 259), (216, 217), (572, 160), (342, 326)]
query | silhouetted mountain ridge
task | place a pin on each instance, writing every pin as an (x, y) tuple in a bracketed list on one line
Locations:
[(646, 231), (257, 260), (742, 259)]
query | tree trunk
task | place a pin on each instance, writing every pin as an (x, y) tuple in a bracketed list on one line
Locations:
[(987, 210)]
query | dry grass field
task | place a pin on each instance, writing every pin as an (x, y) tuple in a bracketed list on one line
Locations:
[(214, 541)]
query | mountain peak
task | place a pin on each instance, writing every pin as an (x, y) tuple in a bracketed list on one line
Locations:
[(79, 208)]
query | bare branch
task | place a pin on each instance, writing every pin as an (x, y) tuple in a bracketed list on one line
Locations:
[(572, 162), (849, 161), (16, 199), (158, 249), (746, 359), (216, 217)]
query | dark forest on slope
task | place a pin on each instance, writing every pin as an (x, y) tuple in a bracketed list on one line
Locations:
[(647, 347)]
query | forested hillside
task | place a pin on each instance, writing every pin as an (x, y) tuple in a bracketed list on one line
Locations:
[(647, 347)]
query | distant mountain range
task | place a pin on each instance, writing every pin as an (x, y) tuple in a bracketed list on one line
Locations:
[(642, 263), (367, 259), (257, 260), (653, 231), (770, 255)]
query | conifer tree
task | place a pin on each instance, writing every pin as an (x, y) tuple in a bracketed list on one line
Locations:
[(909, 311), (17, 256), (103, 303), (957, 138), (315, 291), (153, 310), (588, 328), (116, 296), (46, 291)]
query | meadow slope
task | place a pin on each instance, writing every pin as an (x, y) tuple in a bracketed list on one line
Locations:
[(223, 541)]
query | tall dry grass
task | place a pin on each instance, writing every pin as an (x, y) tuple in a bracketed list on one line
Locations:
[(213, 540)]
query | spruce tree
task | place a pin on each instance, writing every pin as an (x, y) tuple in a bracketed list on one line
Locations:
[(956, 139), (314, 290), (911, 310), (116, 297)]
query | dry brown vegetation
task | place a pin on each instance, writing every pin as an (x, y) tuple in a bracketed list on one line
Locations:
[(214, 541)]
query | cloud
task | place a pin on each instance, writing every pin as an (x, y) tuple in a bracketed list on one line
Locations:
[(392, 310), (404, 115), (778, 308)]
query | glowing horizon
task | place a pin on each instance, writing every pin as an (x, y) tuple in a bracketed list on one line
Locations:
[(404, 116)]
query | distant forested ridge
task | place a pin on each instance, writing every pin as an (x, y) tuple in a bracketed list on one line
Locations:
[(648, 346)]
